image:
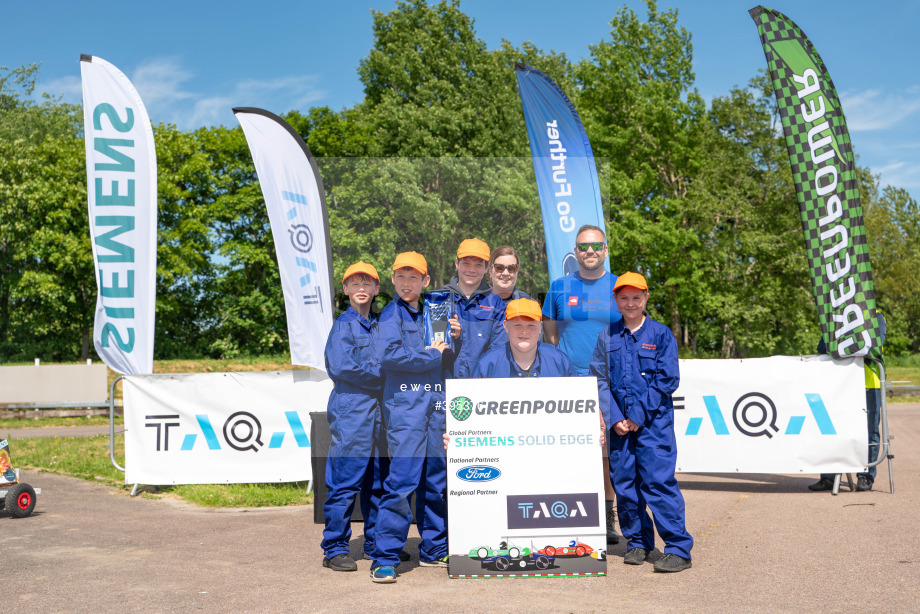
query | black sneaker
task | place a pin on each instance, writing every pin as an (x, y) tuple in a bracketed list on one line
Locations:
[(340, 562), (403, 556), (612, 536), (635, 556), (822, 484), (670, 563), (863, 484)]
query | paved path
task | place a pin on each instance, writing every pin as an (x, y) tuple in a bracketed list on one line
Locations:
[(763, 543)]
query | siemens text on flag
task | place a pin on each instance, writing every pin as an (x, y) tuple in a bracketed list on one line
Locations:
[(121, 173)]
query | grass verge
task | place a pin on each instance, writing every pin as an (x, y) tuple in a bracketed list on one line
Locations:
[(88, 458), (43, 422)]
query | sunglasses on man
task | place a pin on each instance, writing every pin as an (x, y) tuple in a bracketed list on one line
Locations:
[(595, 245), (501, 268)]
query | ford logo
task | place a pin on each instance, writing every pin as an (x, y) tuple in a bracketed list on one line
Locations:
[(478, 473)]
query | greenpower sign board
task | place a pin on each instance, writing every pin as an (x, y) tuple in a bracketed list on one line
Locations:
[(824, 172)]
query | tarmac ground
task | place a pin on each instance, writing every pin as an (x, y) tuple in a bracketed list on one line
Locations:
[(763, 543)]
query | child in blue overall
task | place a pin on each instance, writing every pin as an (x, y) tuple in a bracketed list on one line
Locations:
[(524, 355), (635, 362), (354, 461), (413, 413)]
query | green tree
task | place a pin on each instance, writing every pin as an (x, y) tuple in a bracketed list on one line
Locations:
[(185, 275), (47, 283), (751, 261), (644, 117), (246, 305), (893, 231)]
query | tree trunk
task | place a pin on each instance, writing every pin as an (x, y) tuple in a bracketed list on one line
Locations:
[(728, 344), (675, 318), (84, 351)]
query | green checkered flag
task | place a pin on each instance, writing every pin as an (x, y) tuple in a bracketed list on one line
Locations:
[(824, 172)]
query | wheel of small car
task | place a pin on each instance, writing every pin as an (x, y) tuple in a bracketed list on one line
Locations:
[(550, 551), (20, 500), (542, 562), (482, 552), (580, 551), (514, 553), (502, 563)]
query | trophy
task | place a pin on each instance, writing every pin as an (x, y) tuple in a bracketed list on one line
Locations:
[(439, 307)]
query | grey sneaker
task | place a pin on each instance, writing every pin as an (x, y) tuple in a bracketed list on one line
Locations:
[(441, 562), (670, 563), (863, 484), (340, 562), (635, 556)]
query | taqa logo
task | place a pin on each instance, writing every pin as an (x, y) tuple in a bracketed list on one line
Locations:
[(461, 408), (755, 415), (478, 473), (569, 510), (573, 300), (242, 431)]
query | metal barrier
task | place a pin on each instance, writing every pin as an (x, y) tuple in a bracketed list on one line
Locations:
[(884, 438), (111, 445)]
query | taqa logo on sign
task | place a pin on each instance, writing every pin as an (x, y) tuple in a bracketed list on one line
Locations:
[(242, 431), (755, 415), (562, 511), (478, 473)]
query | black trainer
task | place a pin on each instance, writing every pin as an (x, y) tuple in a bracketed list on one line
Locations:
[(612, 536), (822, 484), (340, 562), (635, 556), (863, 484), (670, 563)]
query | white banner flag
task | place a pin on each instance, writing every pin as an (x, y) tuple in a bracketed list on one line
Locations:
[(784, 414), (221, 428), (296, 202), (121, 182)]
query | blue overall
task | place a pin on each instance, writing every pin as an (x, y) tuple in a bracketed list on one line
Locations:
[(357, 461), (636, 375), (414, 417), (481, 317), (549, 362)]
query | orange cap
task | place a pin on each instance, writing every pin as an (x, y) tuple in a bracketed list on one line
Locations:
[(630, 279), (413, 260), (523, 308), (361, 267), (474, 248)]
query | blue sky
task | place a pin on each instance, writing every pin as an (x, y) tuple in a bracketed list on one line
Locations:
[(192, 61)]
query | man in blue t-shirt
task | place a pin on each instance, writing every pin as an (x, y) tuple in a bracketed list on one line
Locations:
[(577, 308)]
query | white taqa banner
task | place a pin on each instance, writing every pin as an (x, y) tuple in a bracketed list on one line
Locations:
[(784, 414), (524, 479), (296, 202), (221, 428), (121, 181)]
